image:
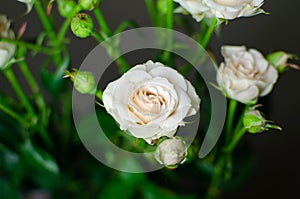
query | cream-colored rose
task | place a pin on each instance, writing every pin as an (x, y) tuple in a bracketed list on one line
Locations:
[(221, 9), (245, 75), (7, 50), (151, 100), (171, 152)]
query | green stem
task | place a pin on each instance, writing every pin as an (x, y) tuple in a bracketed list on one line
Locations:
[(29, 45), (152, 11), (48, 28), (12, 114), (120, 60), (236, 138), (45, 21), (33, 85), (16, 86), (64, 28), (204, 42), (97, 36), (169, 25), (213, 190), (230, 118), (99, 94), (102, 22)]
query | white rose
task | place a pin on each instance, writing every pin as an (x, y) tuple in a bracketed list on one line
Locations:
[(171, 152), (7, 50), (245, 75), (221, 9), (151, 101)]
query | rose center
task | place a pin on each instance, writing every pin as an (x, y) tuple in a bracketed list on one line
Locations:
[(148, 102)]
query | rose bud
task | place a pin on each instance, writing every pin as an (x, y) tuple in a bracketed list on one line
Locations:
[(171, 152), (89, 4), (66, 7), (82, 25), (280, 61), (84, 81), (255, 122)]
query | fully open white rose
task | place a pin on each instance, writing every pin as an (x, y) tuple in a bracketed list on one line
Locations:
[(222, 9), (151, 100), (7, 50), (245, 75)]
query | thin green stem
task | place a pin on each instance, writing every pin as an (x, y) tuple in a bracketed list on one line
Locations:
[(204, 42), (236, 138), (102, 22), (33, 85), (230, 118), (12, 114), (120, 60), (152, 11), (213, 190), (97, 36), (16, 86), (169, 25), (64, 28), (30, 46), (45, 21), (48, 28)]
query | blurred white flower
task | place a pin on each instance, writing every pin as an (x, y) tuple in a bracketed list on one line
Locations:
[(171, 152), (29, 4), (221, 9), (151, 100), (7, 50), (245, 75)]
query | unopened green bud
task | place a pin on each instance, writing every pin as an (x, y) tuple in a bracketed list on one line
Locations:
[(84, 81), (254, 121), (89, 4), (280, 61), (66, 7), (82, 25)]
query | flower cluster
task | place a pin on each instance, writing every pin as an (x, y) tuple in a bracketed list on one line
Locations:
[(221, 9)]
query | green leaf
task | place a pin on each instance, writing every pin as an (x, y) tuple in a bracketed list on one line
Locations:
[(151, 191), (7, 191), (124, 186), (54, 82), (39, 158)]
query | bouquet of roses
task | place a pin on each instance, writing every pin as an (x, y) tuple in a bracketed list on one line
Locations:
[(145, 99)]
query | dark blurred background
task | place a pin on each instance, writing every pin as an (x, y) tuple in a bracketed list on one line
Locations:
[(277, 166)]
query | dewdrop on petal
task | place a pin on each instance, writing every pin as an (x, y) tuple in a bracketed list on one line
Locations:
[(82, 25)]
